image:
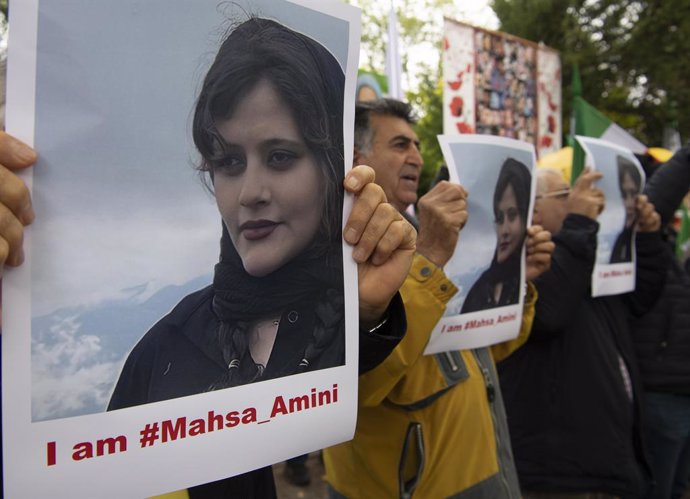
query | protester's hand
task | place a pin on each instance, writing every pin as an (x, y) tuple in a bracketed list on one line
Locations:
[(383, 245), (648, 220), (16, 210), (584, 198), (539, 249), (442, 214)]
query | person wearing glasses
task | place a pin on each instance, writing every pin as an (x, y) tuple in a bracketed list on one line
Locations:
[(572, 392), (500, 284)]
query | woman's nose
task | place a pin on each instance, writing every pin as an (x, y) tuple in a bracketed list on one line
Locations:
[(255, 188)]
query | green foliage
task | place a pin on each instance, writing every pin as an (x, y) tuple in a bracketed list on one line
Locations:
[(631, 55), (419, 25), (429, 98)]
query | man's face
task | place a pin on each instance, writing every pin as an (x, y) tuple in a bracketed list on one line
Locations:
[(394, 156), (551, 205)]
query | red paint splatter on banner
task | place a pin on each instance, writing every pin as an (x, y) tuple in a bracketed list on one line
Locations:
[(469, 68), (464, 127), (545, 141), (446, 45), (552, 123), (456, 106), (455, 85)]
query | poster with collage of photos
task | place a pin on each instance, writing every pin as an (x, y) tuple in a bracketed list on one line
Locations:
[(498, 84)]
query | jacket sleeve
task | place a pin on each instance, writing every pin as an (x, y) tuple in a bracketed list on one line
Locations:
[(501, 351), (669, 184), (650, 274), (425, 293), (375, 346), (569, 278)]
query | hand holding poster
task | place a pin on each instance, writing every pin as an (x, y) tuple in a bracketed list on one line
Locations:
[(488, 263), (109, 95), (622, 182)]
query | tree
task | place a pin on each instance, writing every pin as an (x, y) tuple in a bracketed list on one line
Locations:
[(630, 55), (420, 28)]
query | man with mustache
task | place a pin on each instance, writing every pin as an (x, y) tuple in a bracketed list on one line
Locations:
[(428, 426)]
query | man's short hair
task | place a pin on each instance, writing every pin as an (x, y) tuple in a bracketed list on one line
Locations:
[(379, 107)]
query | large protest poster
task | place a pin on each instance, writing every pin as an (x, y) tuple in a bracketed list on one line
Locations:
[(623, 181), (498, 84), (488, 265), (125, 229)]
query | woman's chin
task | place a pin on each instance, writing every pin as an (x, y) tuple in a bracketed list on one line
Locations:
[(258, 270)]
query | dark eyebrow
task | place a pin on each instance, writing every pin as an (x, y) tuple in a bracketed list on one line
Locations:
[(405, 139)]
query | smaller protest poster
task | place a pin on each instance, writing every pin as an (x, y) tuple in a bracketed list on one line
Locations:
[(488, 266), (623, 181)]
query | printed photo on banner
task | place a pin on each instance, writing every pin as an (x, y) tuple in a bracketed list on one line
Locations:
[(186, 288), (497, 84), (488, 264), (623, 181)]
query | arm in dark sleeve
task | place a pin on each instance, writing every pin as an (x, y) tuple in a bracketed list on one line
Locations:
[(669, 184), (650, 274), (375, 346), (568, 281)]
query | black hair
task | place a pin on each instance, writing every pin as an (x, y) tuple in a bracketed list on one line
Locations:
[(310, 82), (517, 175), (627, 167), (379, 107)]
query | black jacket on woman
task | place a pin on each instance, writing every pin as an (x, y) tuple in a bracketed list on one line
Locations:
[(573, 410), (662, 337), (179, 356)]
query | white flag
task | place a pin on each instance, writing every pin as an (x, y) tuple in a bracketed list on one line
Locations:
[(393, 63)]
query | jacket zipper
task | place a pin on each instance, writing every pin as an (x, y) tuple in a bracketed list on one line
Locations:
[(491, 395), (453, 365)]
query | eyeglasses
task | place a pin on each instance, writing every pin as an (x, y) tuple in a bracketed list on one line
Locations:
[(561, 194)]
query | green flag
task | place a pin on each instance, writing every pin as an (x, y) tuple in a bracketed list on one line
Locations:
[(591, 122)]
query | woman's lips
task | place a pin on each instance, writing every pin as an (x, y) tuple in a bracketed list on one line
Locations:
[(259, 229)]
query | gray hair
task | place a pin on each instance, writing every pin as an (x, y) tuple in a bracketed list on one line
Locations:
[(380, 107)]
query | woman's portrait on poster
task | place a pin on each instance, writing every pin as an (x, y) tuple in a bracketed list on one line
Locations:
[(500, 284), (268, 125), (630, 184)]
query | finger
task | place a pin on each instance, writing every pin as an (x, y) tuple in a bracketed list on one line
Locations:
[(535, 242), (399, 234), (4, 253), (540, 261), (586, 180), (462, 218), (14, 153), (12, 232), (376, 227), (15, 196), (363, 208), (358, 177)]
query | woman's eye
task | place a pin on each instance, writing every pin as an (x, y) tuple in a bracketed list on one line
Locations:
[(229, 165), (282, 159)]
